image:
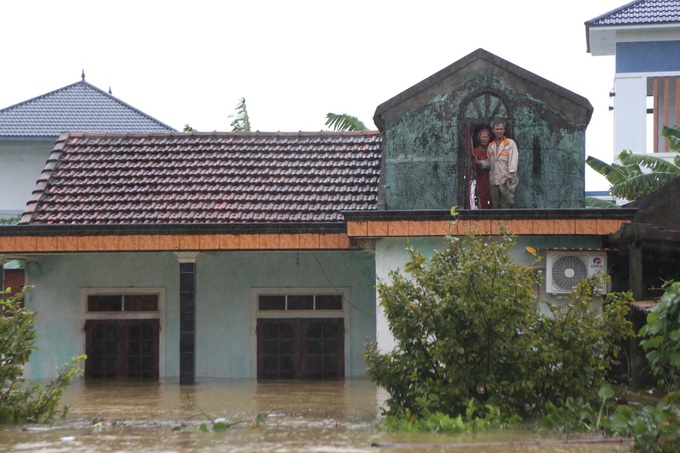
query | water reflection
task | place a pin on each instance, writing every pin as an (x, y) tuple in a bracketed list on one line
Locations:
[(337, 416)]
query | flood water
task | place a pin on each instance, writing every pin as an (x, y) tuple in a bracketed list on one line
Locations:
[(337, 416)]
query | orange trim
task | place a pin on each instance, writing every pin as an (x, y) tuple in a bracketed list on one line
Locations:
[(308, 241)]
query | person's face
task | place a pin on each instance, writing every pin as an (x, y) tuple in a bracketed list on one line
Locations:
[(499, 131), (484, 138)]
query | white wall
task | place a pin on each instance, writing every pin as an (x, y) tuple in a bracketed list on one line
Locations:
[(22, 162)]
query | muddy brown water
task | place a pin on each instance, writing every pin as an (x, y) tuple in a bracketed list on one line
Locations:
[(337, 416)]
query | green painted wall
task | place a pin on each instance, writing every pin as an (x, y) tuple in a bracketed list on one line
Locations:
[(224, 299)]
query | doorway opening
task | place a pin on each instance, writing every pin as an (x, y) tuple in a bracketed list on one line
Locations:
[(300, 348), (300, 334), (122, 349), (122, 335)]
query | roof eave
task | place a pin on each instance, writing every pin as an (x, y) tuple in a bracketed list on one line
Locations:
[(601, 40)]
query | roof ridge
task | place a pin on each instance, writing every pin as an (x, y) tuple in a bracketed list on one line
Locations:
[(635, 20), (224, 134), (55, 111)]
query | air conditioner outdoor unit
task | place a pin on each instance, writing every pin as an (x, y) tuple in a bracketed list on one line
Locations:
[(565, 270)]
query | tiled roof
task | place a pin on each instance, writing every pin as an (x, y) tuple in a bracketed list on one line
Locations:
[(199, 178), (80, 107), (640, 12)]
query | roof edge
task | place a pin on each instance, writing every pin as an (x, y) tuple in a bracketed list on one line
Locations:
[(479, 54), (493, 214), (171, 228)]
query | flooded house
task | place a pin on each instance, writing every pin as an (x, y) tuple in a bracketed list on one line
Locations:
[(167, 255)]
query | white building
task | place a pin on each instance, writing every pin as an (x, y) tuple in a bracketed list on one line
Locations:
[(644, 37)]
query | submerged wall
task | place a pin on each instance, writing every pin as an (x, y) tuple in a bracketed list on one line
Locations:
[(225, 302)]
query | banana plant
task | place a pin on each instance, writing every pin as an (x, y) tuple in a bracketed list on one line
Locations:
[(636, 174), (344, 122)]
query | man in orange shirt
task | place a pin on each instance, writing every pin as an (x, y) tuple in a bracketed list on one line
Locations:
[(503, 156)]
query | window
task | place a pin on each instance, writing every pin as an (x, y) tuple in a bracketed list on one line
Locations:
[(300, 333), (300, 302), (122, 302), (122, 333), (662, 94)]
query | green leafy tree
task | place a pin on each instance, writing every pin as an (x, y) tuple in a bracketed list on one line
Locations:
[(344, 122), (468, 326), (661, 338), (241, 122), (20, 402)]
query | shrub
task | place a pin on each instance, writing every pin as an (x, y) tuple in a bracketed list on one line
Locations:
[(468, 325), (661, 338), (18, 402)]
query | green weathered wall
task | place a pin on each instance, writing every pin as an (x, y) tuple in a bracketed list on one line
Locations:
[(225, 342), (425, 133)]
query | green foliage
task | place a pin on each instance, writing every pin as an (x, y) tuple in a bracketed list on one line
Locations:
[(577, 414), (188, 128), (241, 122), (628, 179), (654, 428), (661, 341), (468, 325), (473, 420), (592, 202), (13, 220), (579, 341), (18, 402), (672, 133), (344, 122)]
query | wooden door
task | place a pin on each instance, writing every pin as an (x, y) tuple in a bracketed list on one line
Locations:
[(300, 348), (122, 349)]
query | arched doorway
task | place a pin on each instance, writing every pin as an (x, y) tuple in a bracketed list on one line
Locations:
[(476, 113)]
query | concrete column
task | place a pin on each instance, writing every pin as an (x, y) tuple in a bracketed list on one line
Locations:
[(187, 318), (635, 269)]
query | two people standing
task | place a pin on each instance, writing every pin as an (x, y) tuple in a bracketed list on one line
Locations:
[(496, 168)]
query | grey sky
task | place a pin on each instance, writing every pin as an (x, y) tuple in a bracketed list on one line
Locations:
[(293, 61)]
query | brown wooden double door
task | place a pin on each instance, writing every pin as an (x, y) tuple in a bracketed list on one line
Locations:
[(122, 349), (300, 348)]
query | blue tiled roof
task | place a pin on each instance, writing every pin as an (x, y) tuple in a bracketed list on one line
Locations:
[(80, 107), (640, 12), (204, 178)]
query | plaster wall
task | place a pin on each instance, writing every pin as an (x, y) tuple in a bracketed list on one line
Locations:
[(650, 56), (225, 310), (22, 162)]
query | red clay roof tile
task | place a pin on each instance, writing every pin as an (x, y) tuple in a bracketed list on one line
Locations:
[(207, 178)]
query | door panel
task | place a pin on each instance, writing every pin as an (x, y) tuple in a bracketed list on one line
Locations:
[(122, 349), (300, 348)]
